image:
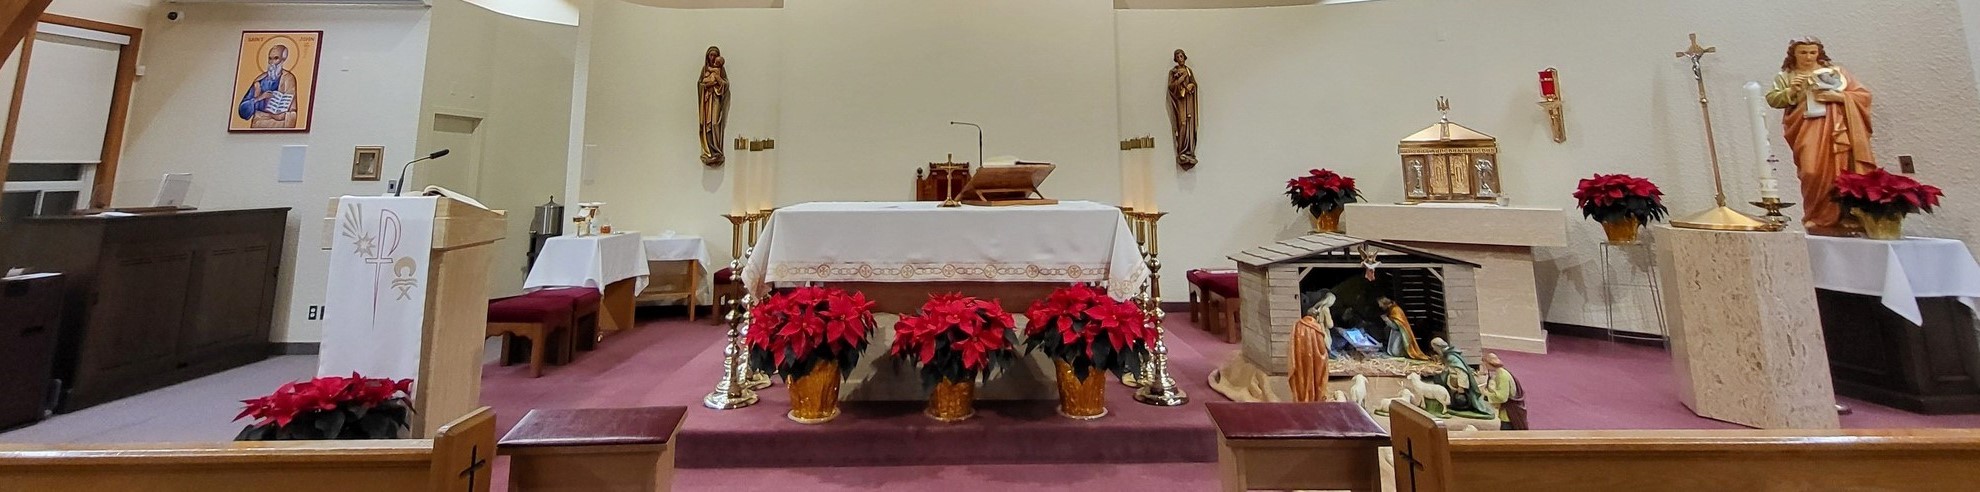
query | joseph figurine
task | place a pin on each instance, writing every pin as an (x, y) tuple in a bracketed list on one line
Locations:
[(1182, 110), (1308, 357), (714, 108), (1829, 139)]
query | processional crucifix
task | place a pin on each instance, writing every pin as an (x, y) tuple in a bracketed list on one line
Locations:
[(1721, 218)]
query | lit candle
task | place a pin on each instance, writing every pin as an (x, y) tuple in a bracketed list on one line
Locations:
[(739, 180), (1763, 143)]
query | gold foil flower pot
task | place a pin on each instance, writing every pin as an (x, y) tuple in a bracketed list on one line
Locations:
[(815, 396), (952, 401), (1083, 399)]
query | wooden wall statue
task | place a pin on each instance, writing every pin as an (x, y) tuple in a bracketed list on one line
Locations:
[(714, 108), (1182, 110)]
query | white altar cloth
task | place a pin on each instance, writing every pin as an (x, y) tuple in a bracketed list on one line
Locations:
[(1899, 272), (1069, 242), (590, 261), (682, 248)]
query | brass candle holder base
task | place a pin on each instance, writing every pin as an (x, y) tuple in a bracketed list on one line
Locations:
[(1774, 206), (1723, 218)]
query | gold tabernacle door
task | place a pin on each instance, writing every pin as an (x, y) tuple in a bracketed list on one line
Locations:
[(1017, 184)]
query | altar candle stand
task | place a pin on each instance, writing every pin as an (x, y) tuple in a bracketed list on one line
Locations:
[(733, 390), (1158, 388)]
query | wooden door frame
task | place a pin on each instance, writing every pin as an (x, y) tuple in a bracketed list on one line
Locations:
[(120, 103)]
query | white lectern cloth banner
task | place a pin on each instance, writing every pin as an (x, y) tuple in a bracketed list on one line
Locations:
[(375, 306), (1899, 272), (590, 261), (922, 242)]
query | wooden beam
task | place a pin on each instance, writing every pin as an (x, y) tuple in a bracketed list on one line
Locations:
[(13, 122), (18, 17)]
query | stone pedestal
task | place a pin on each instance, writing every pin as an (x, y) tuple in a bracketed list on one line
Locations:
[(1746, 338), (1500, 239)]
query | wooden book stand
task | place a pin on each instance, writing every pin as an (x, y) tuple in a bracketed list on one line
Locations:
[(998, 186)]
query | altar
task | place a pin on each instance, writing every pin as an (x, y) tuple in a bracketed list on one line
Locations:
[(899, 252)]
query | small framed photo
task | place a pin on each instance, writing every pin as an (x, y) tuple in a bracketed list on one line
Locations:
[(366, 162)]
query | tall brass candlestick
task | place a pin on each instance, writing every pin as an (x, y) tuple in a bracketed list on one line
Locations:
[(1159, 389), (1138, 225), (1720, 218), (736, 233), (733, 390)]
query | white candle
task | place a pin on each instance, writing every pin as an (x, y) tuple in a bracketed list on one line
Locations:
[(739, 182), (1130, 179), (1763, 143), (761, 171), (1147, 198), (768, 161)]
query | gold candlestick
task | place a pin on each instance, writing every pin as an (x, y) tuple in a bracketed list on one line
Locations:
[(1721, 218), (1774, 206), (1137, 222), (736, 233), (733, 390), (1159, 388)]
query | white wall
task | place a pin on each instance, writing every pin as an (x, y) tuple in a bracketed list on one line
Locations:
[(515, 74), (368, 94), (133, 13)]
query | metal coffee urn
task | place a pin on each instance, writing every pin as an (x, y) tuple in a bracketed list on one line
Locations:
[(547, 223)]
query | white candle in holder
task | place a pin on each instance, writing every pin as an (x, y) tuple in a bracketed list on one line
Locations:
[(1131, 179), (1763, 143), (739, 181)]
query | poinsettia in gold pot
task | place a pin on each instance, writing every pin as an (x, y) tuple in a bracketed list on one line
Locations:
[(1880, 200), (956, 341), (1624, 204), (812, 336), (1088, 334), (1323, 195)]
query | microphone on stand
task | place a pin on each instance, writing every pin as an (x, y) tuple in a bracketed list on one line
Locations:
[(979, 139), (402, 170)]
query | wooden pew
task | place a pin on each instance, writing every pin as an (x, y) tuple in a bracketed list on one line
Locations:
[(458, 459), (1431, 458)]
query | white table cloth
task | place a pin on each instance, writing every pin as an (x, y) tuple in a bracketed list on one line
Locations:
[(1899, 272), (682, 248), (921, 242), (591, 261)]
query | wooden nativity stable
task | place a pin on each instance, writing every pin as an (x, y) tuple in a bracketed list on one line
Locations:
[(1439, 294)]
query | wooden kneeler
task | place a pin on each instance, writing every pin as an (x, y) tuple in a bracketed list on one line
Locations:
[(593, 450), (459, 458), (1297, 446), (1431, 458)]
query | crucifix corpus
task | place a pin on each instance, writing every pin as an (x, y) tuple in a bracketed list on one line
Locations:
[(1720, 218)]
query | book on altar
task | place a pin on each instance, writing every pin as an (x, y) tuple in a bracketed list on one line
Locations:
[(997, 185)]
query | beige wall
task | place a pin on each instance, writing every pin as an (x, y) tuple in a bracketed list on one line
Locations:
[(134, 13), (368, 94), (514, 74), (867, 86)]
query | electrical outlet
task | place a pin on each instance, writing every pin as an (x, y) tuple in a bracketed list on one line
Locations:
[(315, 313), (1905, 166)]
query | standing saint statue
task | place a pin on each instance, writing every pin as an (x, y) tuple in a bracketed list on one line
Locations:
[(1308, 351), (714, 109), (1827, 124), (1182, 110)]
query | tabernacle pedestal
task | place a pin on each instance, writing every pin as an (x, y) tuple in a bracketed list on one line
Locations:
[(1746, 338), (1499, 239)]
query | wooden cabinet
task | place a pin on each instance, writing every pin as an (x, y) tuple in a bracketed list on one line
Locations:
[(154, 299)]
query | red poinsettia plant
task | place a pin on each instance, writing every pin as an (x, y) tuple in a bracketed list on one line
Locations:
[(1083, 327), (330, 407), (956, 338), (793, 331), (1321, 190), (1612, 197), (1883, 194)]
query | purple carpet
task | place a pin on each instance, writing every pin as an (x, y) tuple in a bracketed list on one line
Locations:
[(1582, 384)]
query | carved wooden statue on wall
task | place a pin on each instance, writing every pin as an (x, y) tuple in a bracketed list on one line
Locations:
[(1182, 110), (714, 109)]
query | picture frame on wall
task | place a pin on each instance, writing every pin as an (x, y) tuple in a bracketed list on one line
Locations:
[(275, 81), (366, 162)]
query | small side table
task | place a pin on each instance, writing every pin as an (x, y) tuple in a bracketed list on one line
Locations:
[(1297, 446), (593, 450)]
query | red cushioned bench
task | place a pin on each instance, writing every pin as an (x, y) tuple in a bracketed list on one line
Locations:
[(584, 314), (1298, 446), (725, 289), (593, 449), (544, 320), (1213, 299)]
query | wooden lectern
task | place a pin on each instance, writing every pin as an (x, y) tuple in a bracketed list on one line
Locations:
[(997, 186), (456, 320)]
